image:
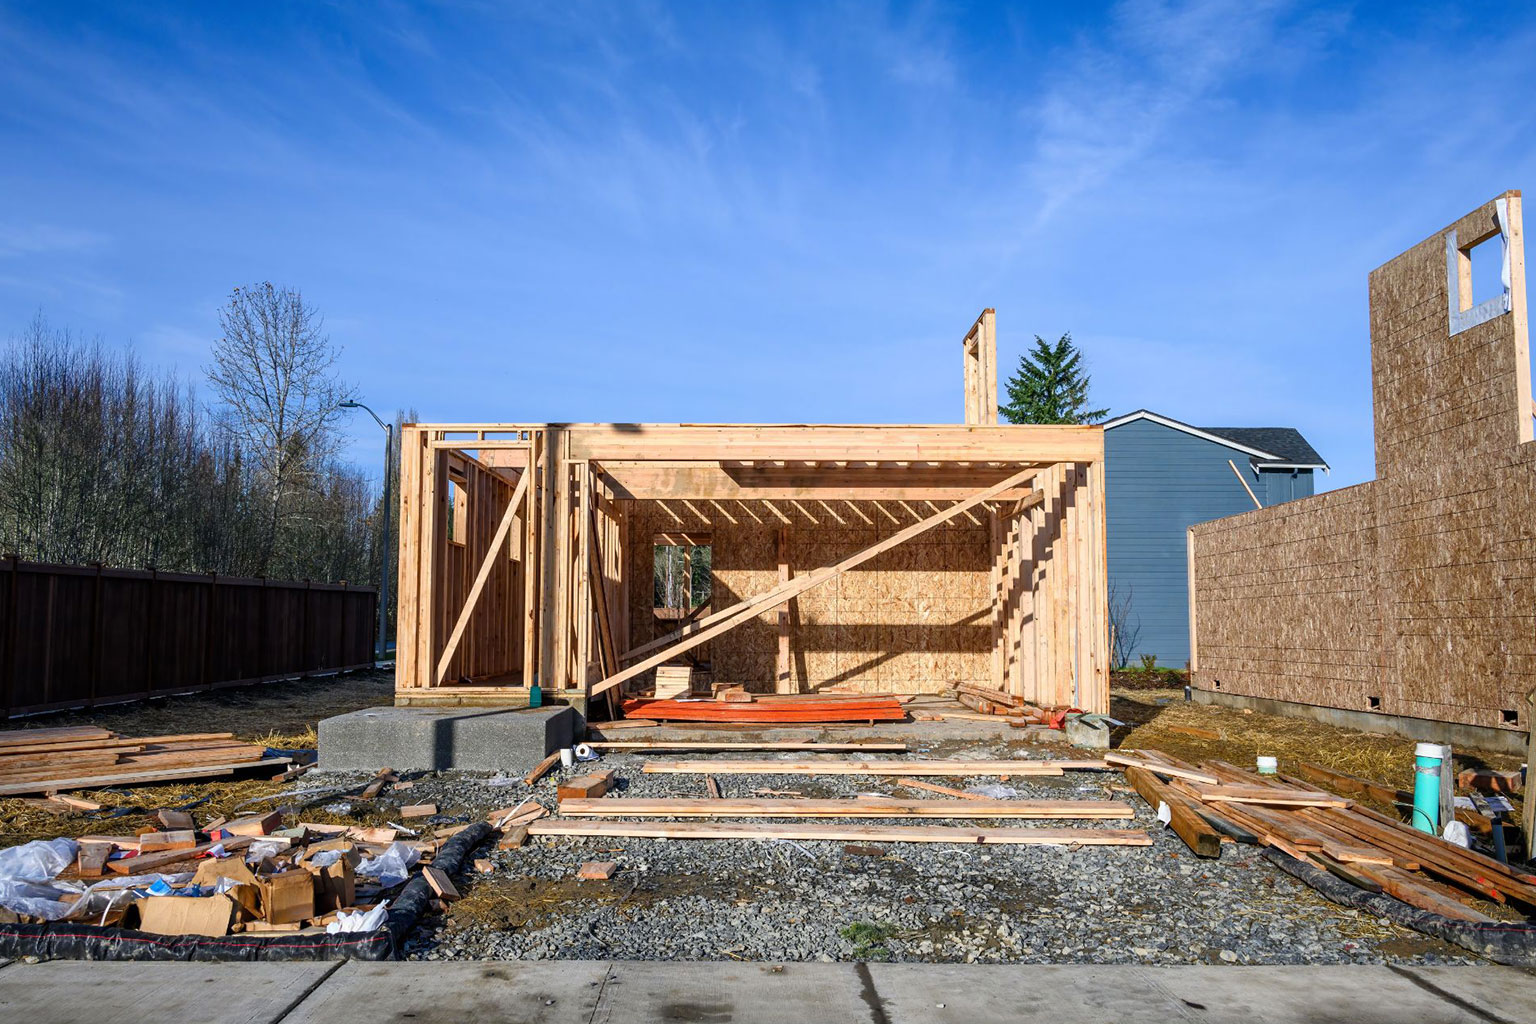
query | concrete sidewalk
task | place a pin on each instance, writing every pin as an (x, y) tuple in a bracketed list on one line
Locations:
[(596, 992)]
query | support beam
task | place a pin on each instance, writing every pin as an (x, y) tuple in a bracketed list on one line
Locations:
[(497, 546), (735, 615), (1240, 479)]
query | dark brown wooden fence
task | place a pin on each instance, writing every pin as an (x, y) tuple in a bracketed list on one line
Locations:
[(76, 636)]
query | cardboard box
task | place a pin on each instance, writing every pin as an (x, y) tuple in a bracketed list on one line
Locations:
[(247, 891), (187, 915), (287, 897), (335, 885)]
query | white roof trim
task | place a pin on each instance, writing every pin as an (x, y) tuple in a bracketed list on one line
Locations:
[(1293, 465), (1142, 414)]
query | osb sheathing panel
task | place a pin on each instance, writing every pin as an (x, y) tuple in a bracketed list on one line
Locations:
[(1414, 594), (912, 620)]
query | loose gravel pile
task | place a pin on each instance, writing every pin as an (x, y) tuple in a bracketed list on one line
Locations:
[(829, 901)]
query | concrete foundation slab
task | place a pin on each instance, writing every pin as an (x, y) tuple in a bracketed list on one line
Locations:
[(469, 739), (140, 993), (455, 993), (1503, 741), (1499, 995)]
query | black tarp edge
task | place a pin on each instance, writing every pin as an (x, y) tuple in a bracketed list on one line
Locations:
[(1513, 944)]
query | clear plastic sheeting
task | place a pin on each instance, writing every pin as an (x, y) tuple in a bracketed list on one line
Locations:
[(391, 867), (26, 872)]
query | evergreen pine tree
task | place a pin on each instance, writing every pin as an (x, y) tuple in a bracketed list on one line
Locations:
[(1050, 386)]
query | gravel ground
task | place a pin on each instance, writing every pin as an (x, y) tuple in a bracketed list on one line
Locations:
[(809, 901)]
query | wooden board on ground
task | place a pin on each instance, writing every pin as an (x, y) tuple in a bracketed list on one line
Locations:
[(811, 745), (925, 768), (584, 786), (1138, 759), (135, 777), (597, 870), (440, 882), (1264, 795), (871, 808), (843, 832)]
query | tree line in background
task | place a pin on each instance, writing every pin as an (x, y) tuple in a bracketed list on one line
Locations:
[(104, 460)]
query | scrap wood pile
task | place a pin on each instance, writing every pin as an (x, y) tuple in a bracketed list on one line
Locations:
[(586, 810), (254, 875), (1213, 801), (986, 702), (87, 757)]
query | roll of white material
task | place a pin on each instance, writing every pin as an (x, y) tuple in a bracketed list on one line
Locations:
[(585, 752)]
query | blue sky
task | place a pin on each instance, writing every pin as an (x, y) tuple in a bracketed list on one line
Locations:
[(744, 212)]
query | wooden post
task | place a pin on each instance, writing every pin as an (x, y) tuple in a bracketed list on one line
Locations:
[(533, 518), (784, 682), (1529, 822)]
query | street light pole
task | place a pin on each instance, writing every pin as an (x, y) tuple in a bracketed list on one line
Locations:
[(384, 544)]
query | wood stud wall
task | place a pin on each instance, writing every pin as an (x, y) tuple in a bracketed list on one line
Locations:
[(1002, 595), (1413, 594)]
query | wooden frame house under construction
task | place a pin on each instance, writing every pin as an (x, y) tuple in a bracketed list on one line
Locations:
[(785, 558)]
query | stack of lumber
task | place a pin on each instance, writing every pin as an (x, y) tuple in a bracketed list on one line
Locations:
[(86, 757), (798, 710), (1330, 832), (995, 702)]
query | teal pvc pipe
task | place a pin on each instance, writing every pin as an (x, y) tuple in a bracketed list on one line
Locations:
[(1426, 788)]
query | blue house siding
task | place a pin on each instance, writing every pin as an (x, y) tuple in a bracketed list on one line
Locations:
[(1158, 481)]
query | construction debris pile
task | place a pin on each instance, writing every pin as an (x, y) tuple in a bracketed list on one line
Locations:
[(80, 757), (1214, 802)]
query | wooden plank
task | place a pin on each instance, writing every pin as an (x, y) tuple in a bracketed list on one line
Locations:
[(866, 808), (1352, 785), (145, 863), (585, 786), (896, 747), (541, 768), (1203, 840), (921, 768), (158, 775), (833, 442), (1135, 759), (747, 610), (930, 787), (1410, 890), (1263, 795), (441, 884), (843, 832), (30, 737)]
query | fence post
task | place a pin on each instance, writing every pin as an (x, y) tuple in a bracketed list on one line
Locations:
[(96, 652), (346, 602), (151, 622), (206, 676), (13, 613)]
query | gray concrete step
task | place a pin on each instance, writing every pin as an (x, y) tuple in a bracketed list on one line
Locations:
[(592, 992)]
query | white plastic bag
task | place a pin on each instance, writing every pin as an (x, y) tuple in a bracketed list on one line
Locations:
[(1457, 832), (359, 920), (994, 791)]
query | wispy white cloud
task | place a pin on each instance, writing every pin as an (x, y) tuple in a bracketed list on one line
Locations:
[(35, 239), (1120, 94)]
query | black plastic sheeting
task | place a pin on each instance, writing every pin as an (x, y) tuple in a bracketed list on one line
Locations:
[(73, 941), (1512, 944)]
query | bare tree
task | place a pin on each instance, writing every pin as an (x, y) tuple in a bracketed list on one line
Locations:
[(1124, 627), (274, 371)]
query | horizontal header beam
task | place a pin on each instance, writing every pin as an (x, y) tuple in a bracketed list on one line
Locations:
[(703, 481), (800, 442)]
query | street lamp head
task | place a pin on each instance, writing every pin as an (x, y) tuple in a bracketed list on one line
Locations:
[(349, 404)]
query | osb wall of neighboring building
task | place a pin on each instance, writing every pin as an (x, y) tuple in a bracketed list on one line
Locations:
[(909, 621), (1412, 594)]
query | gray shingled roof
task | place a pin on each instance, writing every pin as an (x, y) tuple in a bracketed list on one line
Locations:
[(1284, 442)]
